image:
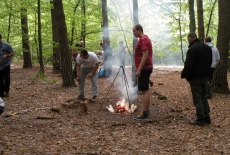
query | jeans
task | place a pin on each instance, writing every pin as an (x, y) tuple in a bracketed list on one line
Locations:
[(199, 95), (83, 73), (5, 80)]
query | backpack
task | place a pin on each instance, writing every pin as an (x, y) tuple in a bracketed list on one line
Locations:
[(101, 73)]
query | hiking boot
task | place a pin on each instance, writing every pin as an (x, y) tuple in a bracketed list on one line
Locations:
[(6, 94), (94, 99), (81, 97), (199, 122), (142, 116), (207, 119)]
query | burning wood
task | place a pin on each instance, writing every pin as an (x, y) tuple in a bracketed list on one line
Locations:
[(122, 107)]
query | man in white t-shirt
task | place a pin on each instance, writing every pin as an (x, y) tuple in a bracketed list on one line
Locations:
[(87, 67)]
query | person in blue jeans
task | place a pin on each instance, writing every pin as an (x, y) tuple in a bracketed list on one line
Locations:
[(87, 67), (6, 53)]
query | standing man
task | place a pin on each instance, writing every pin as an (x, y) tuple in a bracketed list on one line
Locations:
[(6, 52), (215, 61), (144, 66), (107, 59), (87, 66), (122, 54), (197, 71)]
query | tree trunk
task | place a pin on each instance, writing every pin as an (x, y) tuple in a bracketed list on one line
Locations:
[(56, 49), (83, 26), (220, 83), (200, 20), (135, 40), (25, 39), (105, 22), (73, 23), (66, 62), (210, 17), (192, 23), (40, 38)]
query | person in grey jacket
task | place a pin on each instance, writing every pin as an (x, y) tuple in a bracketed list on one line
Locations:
[(215, 60)]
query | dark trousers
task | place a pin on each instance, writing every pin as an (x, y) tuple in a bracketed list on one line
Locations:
[(199, 95), (209, 88), (5, 80)]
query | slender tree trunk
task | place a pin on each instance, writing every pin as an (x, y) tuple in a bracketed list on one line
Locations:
[(66, 62), (105, 22), (25, 39), (210, 17), (73, 23), (83, 26), (200, 20), (135, 40), (192, 23), (220, 83), (40, 38)]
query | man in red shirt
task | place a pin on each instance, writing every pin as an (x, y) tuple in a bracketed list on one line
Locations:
[(144, 66)]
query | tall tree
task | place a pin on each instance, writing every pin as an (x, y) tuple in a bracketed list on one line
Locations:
[(105, 22), (192, 23), (66, 62), (83, 23), (210, 18), (40, 38), (135, 40), (220, 83), (200, 19), (55, 39), (25, 39), (73, 23)]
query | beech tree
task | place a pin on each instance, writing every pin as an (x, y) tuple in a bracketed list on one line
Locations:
[(66, 62), (220, 82)]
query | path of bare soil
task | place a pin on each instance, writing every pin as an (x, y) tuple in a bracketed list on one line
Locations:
[(56, 125)]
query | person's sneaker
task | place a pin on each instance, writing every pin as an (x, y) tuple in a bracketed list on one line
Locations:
[(207, 119), (94, 99), (142, 116), (198, 122), (81, 97), (6, 94)]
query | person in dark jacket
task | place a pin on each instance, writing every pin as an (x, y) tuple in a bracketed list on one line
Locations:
[(196, 71)]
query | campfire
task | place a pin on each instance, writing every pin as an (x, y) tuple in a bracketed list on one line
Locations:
[(122, 107)]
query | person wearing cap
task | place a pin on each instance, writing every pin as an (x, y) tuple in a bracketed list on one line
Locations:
[(6, 54)]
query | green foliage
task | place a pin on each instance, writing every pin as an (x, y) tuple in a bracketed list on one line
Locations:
[(159, 20)]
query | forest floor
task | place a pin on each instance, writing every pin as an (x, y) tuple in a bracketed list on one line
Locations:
[(53, 122)]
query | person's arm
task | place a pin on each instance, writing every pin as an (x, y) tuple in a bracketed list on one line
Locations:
[(78, 69), (143, 61)]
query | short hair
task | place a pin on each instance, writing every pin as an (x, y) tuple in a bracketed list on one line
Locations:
[(208, 39), (0, 35), (138, 27), (192, 35), (84, 52)]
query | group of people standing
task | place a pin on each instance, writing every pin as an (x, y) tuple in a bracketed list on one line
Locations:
[(201, 60)]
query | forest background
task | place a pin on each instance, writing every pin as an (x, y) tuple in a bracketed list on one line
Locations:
[(45, 31)]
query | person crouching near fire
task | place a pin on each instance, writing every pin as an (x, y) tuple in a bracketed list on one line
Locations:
[(87, 67)]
